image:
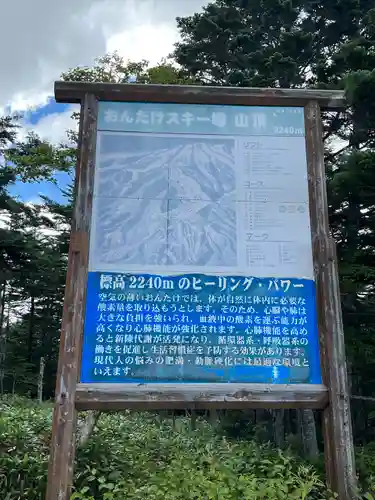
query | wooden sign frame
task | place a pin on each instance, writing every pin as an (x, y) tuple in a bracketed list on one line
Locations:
[(332, 396)]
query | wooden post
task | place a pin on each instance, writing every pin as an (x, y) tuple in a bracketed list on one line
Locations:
[(60, 473), (338, 439)]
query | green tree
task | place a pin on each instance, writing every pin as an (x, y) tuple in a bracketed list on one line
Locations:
[(273, 43), (31, 263), (112, 68), (38, 237)]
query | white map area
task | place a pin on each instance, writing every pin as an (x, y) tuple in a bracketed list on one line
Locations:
[(178, 203), (165, 201)]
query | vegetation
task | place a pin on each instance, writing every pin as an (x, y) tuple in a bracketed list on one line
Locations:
[(230, 42), (138, 456)]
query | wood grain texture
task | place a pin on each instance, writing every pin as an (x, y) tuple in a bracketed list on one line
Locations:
[(60, 472), (200, 396), (339, 449), (73, 92)]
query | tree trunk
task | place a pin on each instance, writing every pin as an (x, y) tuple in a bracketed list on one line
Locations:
[(3, 336), (278, 428), (31, 329), (86, 428), (40, 380), (308, 434), (2, 305), (193, 420), (213, 417)]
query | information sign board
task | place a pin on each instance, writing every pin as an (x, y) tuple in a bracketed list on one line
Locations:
[(200, 266), (202, 273)]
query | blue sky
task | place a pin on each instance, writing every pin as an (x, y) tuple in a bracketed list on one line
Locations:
[(51, 107), (50, 41), (32, 191)]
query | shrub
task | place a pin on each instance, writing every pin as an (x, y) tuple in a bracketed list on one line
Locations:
[(137, 456)]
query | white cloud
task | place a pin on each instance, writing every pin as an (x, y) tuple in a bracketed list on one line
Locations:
[(54, 36), (53, 127), (134, 45), (36, 200), (4, 220)]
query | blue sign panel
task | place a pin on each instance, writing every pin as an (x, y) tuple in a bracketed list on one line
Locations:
[(199, 328), (201, 119)]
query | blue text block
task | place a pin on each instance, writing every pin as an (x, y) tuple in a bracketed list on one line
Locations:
[(199, 328)]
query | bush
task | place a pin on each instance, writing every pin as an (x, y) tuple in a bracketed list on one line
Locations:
[(366, 466), (137, 456)]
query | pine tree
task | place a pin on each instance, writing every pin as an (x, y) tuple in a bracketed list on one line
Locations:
[(272, 43)]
